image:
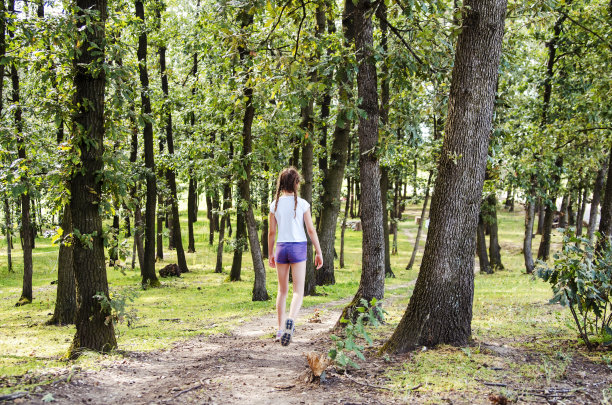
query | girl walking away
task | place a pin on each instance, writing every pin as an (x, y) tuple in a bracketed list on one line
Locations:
[(288, 215)]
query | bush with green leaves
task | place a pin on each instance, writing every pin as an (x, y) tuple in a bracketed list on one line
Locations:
[(581, 279), (368, 314)]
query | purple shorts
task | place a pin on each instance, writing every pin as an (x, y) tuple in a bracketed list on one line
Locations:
[(290, 252)]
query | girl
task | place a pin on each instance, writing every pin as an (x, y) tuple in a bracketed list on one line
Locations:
[(289, 214)]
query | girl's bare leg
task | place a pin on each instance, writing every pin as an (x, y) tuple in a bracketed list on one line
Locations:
[(299, 274), (283, 288)]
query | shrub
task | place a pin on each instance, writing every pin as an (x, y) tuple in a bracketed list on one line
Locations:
[(581, 280)]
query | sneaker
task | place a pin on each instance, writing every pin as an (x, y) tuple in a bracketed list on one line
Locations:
[(279, 334), (288, 332)]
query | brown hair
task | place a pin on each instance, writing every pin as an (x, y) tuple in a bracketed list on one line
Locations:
[(288, 181)]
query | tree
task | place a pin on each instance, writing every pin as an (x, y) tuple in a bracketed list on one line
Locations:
[(372, 283), (26, 225), (94, 328), (440, 309), (149, 278)]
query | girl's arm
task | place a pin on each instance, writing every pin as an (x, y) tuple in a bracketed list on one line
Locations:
[(271, 237), (312, 232)]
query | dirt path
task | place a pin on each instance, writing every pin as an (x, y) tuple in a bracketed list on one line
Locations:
[(245, 367)]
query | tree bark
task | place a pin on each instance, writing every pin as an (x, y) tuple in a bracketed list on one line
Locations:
[(529, 220), (494, 248), (415, 249), (26, 225), (175, 223), (9, 227), (343, 229), (605, 223), (372, 283), (332, 181), (239, 243), (149, 278), (191, 196), (224, 218), (307, 125), (440, 309), (65, 301), (481, 246), (597, 189), (540, 209), (94, 331), (551, 207), (563, 217), (581, 211)]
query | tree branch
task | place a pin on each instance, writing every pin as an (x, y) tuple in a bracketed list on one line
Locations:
[(602, 39)]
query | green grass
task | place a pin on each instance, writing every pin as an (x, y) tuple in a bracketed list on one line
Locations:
[(200, 302)]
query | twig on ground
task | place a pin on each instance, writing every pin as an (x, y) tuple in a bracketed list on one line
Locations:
[(14, 395), (492, 384), (195, 387), (367, 385)]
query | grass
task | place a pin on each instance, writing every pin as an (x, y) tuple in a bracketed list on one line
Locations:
[(511, 315), (200, 302)]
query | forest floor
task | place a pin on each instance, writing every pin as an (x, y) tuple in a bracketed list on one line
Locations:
[(199, 339), (245, 366)]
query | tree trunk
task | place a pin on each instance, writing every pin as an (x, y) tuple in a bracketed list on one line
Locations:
[(209, 215), (551, 207), (481, 246), (26, 225), (343, 228), (307, 125), (415, 249), (93, 329), (332, 182), (563, 216), (149, 278), (597, 189), (175, 222), (9, 227), (440, 309), (113, 253), (540, 209), (191, 203), (65, 301), (494, 248), (527, 240), (372, 283), (265, 192), (571, 219), (260, 292), (161, 217), (581, 211), (605, 223), (395, 217), (226, 217), (239, 243), (384, 188)]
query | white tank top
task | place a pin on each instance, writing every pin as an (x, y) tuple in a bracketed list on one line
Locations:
[(290, 219)]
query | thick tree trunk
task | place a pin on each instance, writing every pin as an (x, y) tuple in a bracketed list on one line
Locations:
[(481, 246), (332, 181), (605, 223), (93, 331), (440, 309), (597, 189), (161, 217), (65, 301), (149, 278), (26, 225), (264, 214), (494, 248), (527, 240), (372, 283), (415, 249)]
